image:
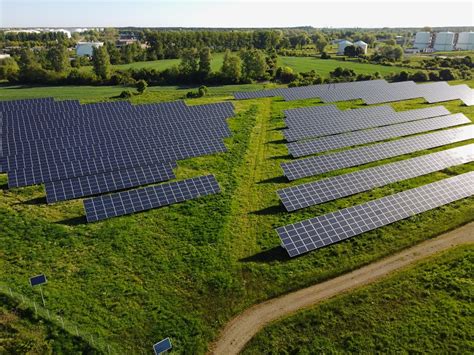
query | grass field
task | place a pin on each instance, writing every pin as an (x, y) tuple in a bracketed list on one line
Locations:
[(324, 66), (425, 309), (298, 64), (182, 271)]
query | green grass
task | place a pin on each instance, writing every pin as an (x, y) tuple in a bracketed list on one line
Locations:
[(324, 66), (298, 64), (424, 309), (184, 270)]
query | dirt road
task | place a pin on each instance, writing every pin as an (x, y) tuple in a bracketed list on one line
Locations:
[(242, 328)]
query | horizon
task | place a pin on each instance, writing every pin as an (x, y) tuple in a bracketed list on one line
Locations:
[(234, 14)]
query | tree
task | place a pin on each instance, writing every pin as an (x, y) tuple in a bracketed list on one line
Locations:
[(419, 76), (27, 59), (254, 64), (352, 51), (204, 63), (286, 74), (114, 53), (141, 86), (447, 74), (101, 62), (319, 41), (231, 68), (58, 57), (393, 53), (189, 63), (8, 69)]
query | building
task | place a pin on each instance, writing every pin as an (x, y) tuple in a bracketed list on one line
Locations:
[(422, 40), (465, 41), (362, 45), (86, 48), (4, 55), (342, 45), (444, 41)]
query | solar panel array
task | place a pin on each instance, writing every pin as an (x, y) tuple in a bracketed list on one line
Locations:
[(313, 193), (302, 148), (324, 128), (314, 233), (84, 150), (371, 92), (363, 155)]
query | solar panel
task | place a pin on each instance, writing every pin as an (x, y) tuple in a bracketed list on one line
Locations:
[(122, 203), (313, 193), (371, 92), (335, 126), (302, 148), (315, 233), (362, 155), (128, 159), (107, 182)]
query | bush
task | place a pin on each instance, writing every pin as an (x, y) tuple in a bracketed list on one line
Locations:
[(202, 91), (447, 74), (419, 76), (285, 75), (141, 86), (126, 94), (324, 55)]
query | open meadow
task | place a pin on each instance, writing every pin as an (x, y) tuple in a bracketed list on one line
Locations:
[(182, 271)]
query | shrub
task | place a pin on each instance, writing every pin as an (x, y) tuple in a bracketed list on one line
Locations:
[(126, 94), (141, 86)]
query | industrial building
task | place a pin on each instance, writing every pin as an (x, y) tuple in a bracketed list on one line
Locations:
[(444, 41), (422, 40), (342, 45), (465, 41), (362, 45), (86, 48)]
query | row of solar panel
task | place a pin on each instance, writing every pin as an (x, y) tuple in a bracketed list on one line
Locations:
[(332, 125), (371, 92)]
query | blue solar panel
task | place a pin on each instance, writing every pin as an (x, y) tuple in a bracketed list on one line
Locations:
[(127, 202)]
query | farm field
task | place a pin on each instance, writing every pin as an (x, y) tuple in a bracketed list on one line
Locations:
[(182, 271), (422, 309)]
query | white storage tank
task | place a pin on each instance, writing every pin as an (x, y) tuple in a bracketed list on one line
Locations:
[(444, 41), (422, 40), (342, 45), (362, 45), (465, 41), (86, 48)]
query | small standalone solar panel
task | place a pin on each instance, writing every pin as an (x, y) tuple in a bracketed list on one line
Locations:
[(107, 182), (162, 346), (318, 232), (328, 162), (313, 193), (122, 203), (302, 148)]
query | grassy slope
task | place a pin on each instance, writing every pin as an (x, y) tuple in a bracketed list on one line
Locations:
[(183, 270), (425, 309)]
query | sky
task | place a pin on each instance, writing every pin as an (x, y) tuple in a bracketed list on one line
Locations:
[(235, 13)]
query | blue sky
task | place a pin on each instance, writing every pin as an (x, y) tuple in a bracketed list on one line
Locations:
[(234, 13)]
